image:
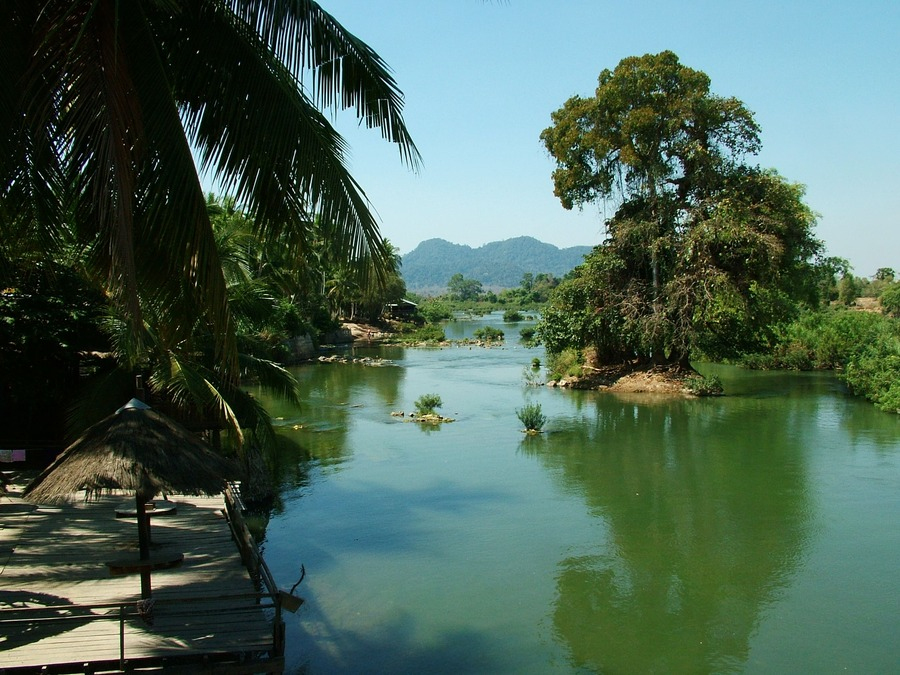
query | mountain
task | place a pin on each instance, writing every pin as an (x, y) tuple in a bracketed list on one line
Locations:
[(500, 264)]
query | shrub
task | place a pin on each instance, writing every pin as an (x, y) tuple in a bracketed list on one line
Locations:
[(535, 363), (488, 334), (528, 335), (827, 339), (411, 334), (566, 363), (531, 416), (426, 404), (704, 386), (875, 371), (430, 333), (434, 311), (512, 316), (890, 300)]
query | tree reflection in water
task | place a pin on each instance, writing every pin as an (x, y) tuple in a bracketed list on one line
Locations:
[(707, 518)]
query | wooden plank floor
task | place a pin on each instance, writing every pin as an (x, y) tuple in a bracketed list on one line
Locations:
[(56, 556)]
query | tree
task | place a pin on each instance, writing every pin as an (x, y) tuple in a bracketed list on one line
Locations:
[(461, 288), (102, 102), (890, 300), (703, 251)]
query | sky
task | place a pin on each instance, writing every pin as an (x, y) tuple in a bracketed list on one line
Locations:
[(480, 81)]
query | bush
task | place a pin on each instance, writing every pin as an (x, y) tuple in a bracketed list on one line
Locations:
[(532, 417), (528, 335), (427, 403), (890, 300), (434, 311), (410, 333), (866, 345), (823, 340), (566, 363), (875, 371), (512, 316), (429, 333), (488, 334), (704, 386), (535, 363)]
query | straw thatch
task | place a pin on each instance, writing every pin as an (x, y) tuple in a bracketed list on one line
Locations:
[(135, 449)]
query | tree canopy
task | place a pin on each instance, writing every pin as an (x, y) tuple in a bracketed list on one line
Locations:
[(703, 251), (461, 288)]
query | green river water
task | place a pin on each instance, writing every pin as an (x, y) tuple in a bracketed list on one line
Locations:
[(757, 532)]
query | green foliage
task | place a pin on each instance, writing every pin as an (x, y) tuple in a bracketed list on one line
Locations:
[(431, 332), (703, 252), (123, 105), (488, 334), (426, 404), (461, 288), (434, 311), (704, 386), (864, 345), (48, 314), (533, 290), (512, 316), (849, 289), (890, 299), (875, 371), (827, 339), (532, 417), (535, 363), (528, 335), (566, 363)]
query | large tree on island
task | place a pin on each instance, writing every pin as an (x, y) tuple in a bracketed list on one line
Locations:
[(102, 101), (703, 252)]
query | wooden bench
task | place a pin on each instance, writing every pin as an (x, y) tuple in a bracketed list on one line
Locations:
[(157, 507), (159, 561)]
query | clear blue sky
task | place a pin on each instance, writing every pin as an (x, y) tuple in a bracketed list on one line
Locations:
[(481, 79)]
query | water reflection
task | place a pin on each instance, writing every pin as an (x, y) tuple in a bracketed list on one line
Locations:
[(320, 428), (752, 532), (707, 514)]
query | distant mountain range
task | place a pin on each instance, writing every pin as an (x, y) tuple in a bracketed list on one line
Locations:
[(500, 264)]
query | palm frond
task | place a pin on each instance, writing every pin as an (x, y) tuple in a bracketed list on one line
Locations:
[(348, 73), (272, 377), (31, 182), (262, 138), (190, 386)]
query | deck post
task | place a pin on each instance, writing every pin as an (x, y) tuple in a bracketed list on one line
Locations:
[(278, 627), (122, 637), (144, 542)]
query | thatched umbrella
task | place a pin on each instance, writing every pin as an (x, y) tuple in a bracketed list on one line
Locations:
[(135, 449)]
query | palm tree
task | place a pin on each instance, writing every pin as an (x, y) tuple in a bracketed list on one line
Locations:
[(102, 101)]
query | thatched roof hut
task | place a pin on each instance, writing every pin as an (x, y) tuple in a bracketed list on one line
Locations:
[(139, 450), (135, 449)]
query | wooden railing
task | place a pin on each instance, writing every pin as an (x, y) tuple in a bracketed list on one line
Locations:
[(254, 562), (177, 616)]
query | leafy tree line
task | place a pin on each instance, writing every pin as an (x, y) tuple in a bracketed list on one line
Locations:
[(704, 251), (533, 290)]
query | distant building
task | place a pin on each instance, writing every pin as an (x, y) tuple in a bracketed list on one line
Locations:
[(401, 310)]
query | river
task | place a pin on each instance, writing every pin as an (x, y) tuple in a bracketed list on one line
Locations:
[(757, 532)]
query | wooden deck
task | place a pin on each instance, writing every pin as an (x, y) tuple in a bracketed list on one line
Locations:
[(59, 603)]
